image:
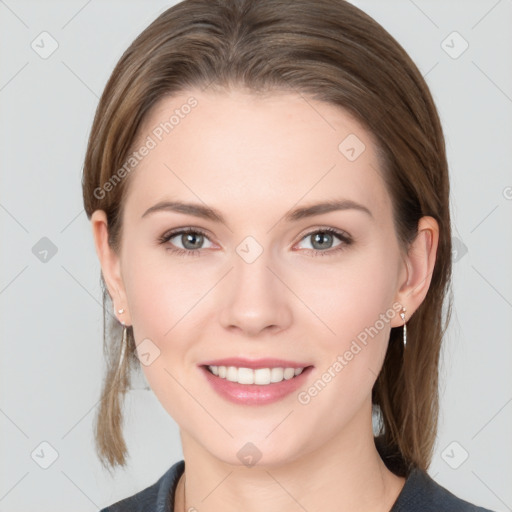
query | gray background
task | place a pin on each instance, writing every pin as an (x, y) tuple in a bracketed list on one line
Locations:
[(51, 325)]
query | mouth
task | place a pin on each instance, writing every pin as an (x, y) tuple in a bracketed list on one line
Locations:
[(255, 386)]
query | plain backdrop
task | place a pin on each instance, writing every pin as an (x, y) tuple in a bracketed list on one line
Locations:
[(50, 299)]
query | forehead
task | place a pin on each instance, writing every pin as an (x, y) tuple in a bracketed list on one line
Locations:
[(254, 151)]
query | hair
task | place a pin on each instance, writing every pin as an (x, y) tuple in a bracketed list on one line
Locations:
[(333, 52)]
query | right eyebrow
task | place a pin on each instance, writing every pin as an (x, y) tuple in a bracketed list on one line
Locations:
[(197, 210)]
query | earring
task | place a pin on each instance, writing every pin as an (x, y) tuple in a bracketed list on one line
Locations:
[(123, 348), (402, 314), (121, 311)]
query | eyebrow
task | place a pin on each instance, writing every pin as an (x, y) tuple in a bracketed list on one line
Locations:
[(206, 212)]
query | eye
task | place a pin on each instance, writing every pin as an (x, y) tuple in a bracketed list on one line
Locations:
[(322, 240), (190, 238)]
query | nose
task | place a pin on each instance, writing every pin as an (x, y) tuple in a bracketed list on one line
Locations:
[(255, 298)]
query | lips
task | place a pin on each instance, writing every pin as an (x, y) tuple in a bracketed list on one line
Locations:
[(255, 394)]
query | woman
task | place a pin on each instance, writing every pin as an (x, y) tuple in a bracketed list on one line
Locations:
[(234, 143)]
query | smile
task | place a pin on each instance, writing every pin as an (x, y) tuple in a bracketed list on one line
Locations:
[(255, 386), (260, 376)]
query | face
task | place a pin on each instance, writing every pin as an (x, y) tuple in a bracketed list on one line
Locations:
[(317, 290)]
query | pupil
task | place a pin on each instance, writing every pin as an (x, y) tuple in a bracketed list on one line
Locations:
[(193, 237), (320, 236)]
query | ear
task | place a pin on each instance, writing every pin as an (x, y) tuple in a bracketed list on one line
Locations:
[(110, 266), (418, 268)]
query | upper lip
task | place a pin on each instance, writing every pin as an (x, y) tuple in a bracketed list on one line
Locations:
[(267, 362)]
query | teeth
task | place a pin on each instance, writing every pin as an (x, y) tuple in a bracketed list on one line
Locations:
[(261, 376)]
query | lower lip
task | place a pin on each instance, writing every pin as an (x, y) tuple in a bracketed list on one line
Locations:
[(255, 394)]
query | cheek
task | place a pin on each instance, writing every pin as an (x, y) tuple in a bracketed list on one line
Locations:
[(355, 301), (161, 292), (357, 307), (349, 295), (161, 298)]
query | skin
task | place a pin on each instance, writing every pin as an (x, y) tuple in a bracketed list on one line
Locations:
[(254, 158)]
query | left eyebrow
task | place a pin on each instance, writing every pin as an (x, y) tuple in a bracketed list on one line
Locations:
[(206, 212), (325, 207)]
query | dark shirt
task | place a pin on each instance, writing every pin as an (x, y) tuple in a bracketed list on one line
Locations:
[(419, 494)]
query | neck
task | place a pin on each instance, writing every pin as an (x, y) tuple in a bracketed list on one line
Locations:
[(345, 473)]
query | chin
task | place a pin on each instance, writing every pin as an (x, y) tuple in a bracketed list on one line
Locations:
[(255, 452)]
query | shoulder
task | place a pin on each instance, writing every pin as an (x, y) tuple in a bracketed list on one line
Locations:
[(422, 493), (158, 497)]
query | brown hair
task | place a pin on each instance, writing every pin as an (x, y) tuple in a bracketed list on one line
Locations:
[(334, 52)]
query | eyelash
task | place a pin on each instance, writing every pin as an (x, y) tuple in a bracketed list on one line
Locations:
[(346, 239)]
